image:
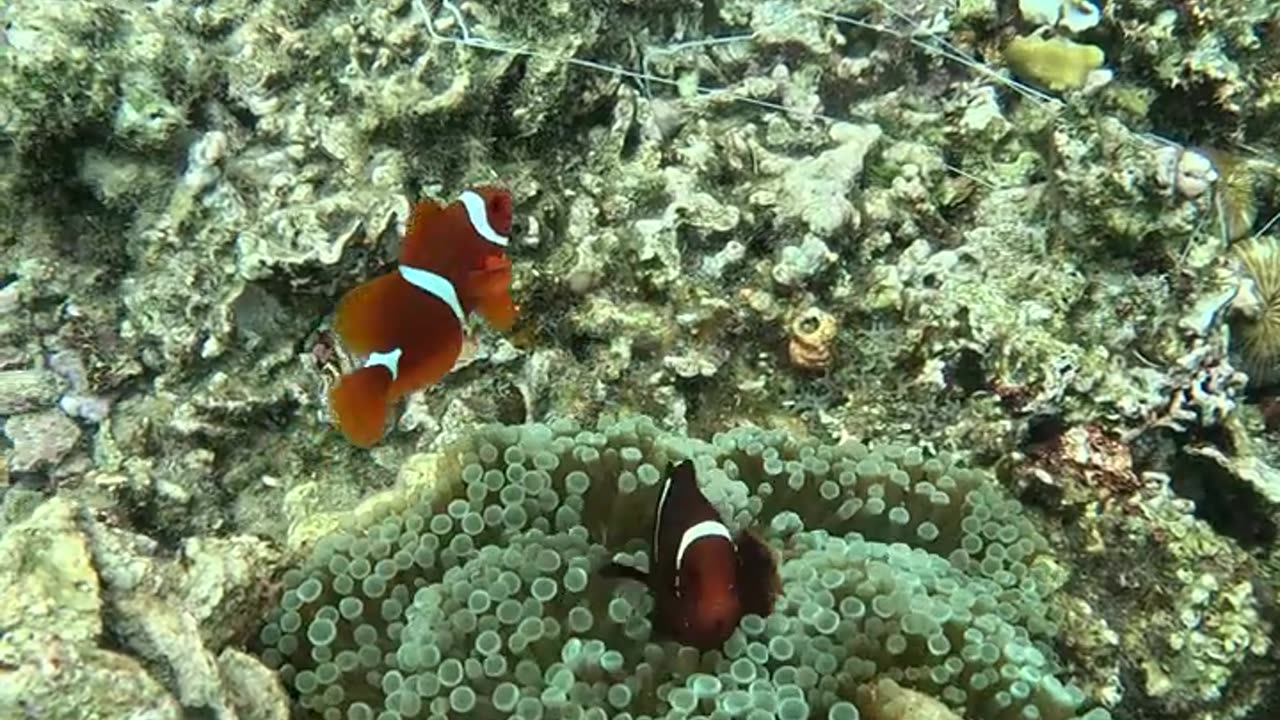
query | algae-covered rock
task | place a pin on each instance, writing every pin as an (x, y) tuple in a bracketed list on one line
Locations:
[(40, 439), (50, 610), (254, 690), (70, 588), (167, 640), (27, 390), (815, 190), (70, 66), (1212, 48), (47, 579), (66, 681), (1175, 600), (175, 615), (222, 582)]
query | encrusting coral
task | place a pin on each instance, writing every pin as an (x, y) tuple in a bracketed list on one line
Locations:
[(479, 597)]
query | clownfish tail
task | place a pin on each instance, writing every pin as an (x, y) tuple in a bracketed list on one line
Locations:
[(359, 402)]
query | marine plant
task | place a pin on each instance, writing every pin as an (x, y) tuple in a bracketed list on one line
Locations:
[(476, 595)]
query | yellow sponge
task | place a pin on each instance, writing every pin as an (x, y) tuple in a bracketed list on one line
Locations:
[(1057, 63)]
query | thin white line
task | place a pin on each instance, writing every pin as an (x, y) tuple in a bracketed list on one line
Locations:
[(1267, 226), (657, 520)]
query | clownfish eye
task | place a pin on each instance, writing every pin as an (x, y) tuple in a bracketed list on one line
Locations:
[(498, 207)]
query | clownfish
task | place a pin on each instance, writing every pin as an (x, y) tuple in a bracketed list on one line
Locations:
[(409, 322), (703, 579)]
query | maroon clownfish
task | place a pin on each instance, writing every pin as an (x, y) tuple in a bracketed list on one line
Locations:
[(703, 580), (409, 322)]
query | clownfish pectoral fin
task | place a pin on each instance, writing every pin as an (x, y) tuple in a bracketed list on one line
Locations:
[(363, 312), (757, 578), (499, 310), (489, 292), (359, 402), (618, 571)]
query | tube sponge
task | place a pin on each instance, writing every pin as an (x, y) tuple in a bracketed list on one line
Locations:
[(900, 566)]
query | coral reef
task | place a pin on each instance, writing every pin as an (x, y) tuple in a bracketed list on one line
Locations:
[(1215, 50), (1059, 281)]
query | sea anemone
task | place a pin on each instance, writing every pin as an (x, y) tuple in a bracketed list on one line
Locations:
[(479, 597), (1235, 200), (1260, 306)]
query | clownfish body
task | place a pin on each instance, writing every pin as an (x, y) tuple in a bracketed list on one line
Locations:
[(703, 579), (409, 322)]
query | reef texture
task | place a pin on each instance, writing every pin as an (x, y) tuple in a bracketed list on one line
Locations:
[(824, 218), (99, 623)]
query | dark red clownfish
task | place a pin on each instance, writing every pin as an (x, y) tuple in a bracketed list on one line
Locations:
[(703, 579), (409, 322)]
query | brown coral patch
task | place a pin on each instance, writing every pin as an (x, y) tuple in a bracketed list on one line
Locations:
[(1082, 463)]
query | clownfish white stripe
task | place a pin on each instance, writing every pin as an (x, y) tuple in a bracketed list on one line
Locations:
[(478, 215), (699, 531), (389, 360), (434, 285), (657, 525)]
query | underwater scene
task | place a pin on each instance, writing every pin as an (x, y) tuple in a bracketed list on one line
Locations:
[(639, 359)]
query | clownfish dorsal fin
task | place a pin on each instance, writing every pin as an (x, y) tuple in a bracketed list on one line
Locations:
[(420, 246)]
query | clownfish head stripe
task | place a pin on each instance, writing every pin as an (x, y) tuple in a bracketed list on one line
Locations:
[(389, 360), (699, 531), (435, 285), (478, 215)]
